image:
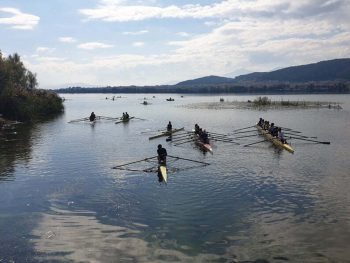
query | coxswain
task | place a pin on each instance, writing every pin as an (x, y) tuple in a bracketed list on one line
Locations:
[(196, 128), (161, 155), (92, 116), (169, 127)]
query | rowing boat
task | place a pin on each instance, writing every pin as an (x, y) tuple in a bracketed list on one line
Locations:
[(163, 172), (205, 146), (124, 120), (165, 133), (274, 140)]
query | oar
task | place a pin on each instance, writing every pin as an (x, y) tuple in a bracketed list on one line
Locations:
[(301, 136), (243, 128), (233, 133), (218, 136), (188, 160), (228, 141), (116, 167), (289, 129), (309, 140), (180, 140), (188, 136), (191, 140), (246, 136), (179, 135), (254, 143), (217, 133)]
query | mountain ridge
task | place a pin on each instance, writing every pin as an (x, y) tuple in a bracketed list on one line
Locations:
[(328, 70)]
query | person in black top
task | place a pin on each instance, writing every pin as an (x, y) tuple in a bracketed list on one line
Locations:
[(92, 116), (169, 127), (196, 128), (161, 155)]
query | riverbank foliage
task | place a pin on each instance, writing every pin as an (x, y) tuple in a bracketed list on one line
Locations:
[(19, 97)]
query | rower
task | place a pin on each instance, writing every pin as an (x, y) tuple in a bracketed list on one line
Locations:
[(271, 128), (92, 116), (281, 135), (204, 137), (196, 128), (126, 115), (261, 122), (161, 155), (169, 127), (266, 125), (275, 131)]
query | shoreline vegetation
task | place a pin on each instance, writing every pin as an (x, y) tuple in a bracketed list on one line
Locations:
[(275, 87), (264, 103), (20, 99)]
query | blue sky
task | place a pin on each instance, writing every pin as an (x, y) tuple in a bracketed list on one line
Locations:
[(121, 42)]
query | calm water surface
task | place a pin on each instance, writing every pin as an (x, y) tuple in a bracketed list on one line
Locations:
[(62, 202)]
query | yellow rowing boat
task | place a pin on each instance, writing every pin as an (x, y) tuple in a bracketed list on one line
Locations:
[(274, 140), (163, 172)]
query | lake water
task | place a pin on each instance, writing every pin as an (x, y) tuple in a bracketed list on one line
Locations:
[(62, 202)]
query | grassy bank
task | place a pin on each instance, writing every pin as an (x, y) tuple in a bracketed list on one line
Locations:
[(19, 97)]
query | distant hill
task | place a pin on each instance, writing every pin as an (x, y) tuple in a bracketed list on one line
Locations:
[(209, 80), (330, 70), (332, 76)]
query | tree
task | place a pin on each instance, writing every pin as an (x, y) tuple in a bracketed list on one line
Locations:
[(32, 82)]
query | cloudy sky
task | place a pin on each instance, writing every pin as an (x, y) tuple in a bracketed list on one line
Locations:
[(132, 42)]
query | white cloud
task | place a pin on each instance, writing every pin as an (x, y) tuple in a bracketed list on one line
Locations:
[(183, 34), (94, 45), (18, 20), (67, 39), (44, 50), (138, 44), (141, 32), (119, 11)]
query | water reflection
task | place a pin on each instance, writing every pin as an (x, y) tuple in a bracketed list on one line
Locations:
[(15, 145), (80, 237)]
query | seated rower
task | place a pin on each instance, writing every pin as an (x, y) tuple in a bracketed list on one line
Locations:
[(281, 136), (126, 115), (169, 127), (266, 125), (162, 154), (204, 137), (92, 116), (196, 128), (123, 116), (272, 126), (261, 122), (274, 131)]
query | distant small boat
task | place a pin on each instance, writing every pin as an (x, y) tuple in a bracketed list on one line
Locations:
[(222, 100), (170, 99), (144, 102)]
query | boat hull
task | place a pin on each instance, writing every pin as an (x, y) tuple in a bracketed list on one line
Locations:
[(163, 172), (274, 140)]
